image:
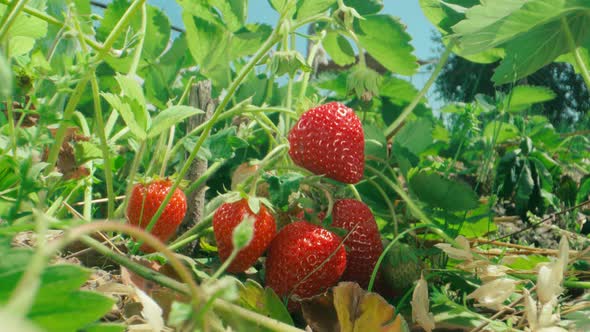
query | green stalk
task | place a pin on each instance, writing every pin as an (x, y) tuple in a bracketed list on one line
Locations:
[(268, 44), (576, 50), (139, 49), (51, 20), (108, 172), (112, 37), (410, 108), (102, 136), (163, 280), (9, 17), (203, 178), (306, 76), (11, 126), (77, 94)]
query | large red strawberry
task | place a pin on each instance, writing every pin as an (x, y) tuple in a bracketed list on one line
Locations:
[(304, 260), (363, 245), (230, 215), (145, 200), (329, 140)]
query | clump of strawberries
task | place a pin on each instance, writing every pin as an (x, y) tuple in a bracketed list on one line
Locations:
[(303, 258)]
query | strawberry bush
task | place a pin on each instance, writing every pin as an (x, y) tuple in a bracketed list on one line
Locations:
[(219, 177)]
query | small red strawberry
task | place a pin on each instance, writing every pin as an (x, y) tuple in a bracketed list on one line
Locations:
[(294, 255), (329, 140), (230, 215), (145, 200), (363, 245)]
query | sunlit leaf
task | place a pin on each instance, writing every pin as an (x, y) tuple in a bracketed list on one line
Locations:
[(386, 39)]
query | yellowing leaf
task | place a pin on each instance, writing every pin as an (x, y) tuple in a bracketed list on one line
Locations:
[(356, 310)]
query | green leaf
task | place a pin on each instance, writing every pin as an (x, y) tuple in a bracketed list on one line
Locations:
[(288, 62), (365, 7), (375, 141), (307, 8), (5, 77), (131, 88), (157, 33), (416, 136), (234, 12), (501, 131), (170, 117), (386, 40), (584, 191), (248, 40), (26, 25), (126, 113), (106, 327), (20, 45), (74, 310), (533, 33), (210, 47), (445, 14), (439, 192), (570, 58), (281, 186), (85, 151), (338, 48), (222, 144), (523, 96), (363, 82)]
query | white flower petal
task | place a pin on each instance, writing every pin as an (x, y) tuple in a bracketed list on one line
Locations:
[(455, 253), (493, 294), (421, 305), (549, 282), (564, 250), (151, 311), (530, 307)]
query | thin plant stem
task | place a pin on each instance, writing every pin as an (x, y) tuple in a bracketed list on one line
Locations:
[(163, 280), (11, 125), (204, 177), (268, 44), (52, 20), (139, 49), (410, 108)]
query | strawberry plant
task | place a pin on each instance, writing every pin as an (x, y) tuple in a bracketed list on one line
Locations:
[(216, 176)]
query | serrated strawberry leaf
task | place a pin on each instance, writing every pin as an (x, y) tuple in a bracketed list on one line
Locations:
[(281, 186)]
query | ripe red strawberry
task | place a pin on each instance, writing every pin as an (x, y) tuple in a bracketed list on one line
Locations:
[(145, 200), (230, 215), (295, 253), (329, 140), (363, 245)]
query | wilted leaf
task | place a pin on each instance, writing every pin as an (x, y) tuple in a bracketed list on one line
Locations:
[(356, 311)]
